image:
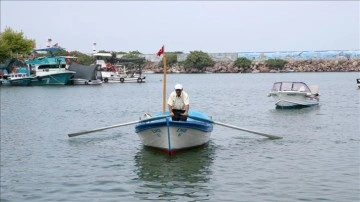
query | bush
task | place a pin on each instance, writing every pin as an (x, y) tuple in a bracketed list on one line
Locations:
[(242, 62), (275, 63)]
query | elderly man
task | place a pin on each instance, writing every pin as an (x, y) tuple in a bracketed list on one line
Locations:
[(178, 103)]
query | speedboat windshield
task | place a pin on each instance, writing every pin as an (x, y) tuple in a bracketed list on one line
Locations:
[(290, 86)]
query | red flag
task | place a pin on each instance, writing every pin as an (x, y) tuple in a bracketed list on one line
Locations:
[(161, 51)]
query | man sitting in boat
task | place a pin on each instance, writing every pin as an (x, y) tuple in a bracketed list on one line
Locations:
[(178, 103)]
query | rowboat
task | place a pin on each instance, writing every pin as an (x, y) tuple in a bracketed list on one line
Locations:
[(172, 137), (294, 95)]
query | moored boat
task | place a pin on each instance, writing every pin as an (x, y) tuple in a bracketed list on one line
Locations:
[(49, 70), (113, 69), (15, 72), (294, 95), (358, 83), (175, 136)]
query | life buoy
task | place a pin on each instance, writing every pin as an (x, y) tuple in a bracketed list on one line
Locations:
[(122, 80), (106, 80), (139, 80)]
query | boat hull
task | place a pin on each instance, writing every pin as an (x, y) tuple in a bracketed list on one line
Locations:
[(174, 136), (61, 78), (133, 79), (20, 81), (294, 99)]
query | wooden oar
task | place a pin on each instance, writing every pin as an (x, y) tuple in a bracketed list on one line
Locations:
[(114, 126), (235, 127)]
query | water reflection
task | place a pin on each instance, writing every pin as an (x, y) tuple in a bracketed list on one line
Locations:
[(182, 176)]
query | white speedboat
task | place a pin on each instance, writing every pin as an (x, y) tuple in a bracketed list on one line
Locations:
[(294, 95)]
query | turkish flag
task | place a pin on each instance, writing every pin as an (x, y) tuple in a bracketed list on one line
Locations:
[(161, 51)]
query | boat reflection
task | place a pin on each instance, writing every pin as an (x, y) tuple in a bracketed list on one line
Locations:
[(182, 177), (191, 166)]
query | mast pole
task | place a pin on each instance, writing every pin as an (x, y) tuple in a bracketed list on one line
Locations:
[(164, 84)]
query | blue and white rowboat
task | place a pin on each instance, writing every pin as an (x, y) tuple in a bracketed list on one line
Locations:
[(175, 136)]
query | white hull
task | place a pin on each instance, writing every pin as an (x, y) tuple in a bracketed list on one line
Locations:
[(176, 138), (115, 77), (294, 99)]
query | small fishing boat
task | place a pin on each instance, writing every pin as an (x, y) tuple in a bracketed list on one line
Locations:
[(358, 82), (175, 136), (112, 69), (15, 72), (294, 95)]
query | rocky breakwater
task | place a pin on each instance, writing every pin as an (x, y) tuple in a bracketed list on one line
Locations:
[(311, 65)]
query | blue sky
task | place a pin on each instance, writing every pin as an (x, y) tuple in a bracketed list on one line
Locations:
[(209, 26)]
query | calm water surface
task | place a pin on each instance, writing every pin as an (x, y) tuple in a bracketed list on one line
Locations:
[(318, 158)]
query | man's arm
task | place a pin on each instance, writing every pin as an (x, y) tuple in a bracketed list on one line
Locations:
[(170, 110), (186, 110)]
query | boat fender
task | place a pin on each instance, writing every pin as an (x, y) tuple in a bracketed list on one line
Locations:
[(106, 80), (139, 80), (122, 80)]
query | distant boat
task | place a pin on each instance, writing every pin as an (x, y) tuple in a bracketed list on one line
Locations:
[(116, 73), (85, 75), (358, 82), (289, 70), (294, 95), (15, 72), (49, 70)]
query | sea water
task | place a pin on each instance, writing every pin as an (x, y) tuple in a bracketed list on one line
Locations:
[(318, 158)]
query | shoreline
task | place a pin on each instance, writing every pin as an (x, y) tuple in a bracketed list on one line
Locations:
[(293, 65)]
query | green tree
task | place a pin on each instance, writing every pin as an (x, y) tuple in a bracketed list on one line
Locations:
[(12, 43), (242, 62), (132, 54), (171, 59), (5, 52), (83, 58), (198, 60)]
